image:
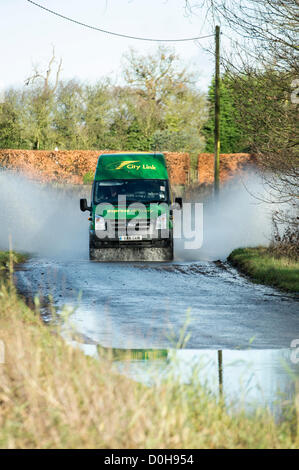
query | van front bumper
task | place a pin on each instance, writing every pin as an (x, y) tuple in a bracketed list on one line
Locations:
[(158, 241)]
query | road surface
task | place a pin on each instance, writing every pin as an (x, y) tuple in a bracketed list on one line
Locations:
[(151, 305)]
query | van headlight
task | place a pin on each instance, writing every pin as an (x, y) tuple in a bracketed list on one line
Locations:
[(161, 222), (99, 223)]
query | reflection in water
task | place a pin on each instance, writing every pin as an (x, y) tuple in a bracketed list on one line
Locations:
[(220, 372), (247, 379), (117, 354)]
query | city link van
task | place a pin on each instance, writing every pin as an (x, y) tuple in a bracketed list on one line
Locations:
[(131, 211)]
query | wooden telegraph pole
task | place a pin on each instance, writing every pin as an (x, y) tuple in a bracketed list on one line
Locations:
[(217, 111)]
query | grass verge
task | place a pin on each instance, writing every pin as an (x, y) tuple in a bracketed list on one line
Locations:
[(262, 267), (53, 396), (13, 257)]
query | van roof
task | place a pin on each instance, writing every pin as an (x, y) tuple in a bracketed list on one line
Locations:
[(119, 154), (131, 165)]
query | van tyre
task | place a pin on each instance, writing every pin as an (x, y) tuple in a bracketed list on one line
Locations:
[(92, 254)]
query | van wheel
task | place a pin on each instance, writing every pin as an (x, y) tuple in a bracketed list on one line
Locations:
[(92, 255), (172, 249)]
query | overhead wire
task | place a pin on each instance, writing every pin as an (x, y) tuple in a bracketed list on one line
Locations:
[(113, 33)]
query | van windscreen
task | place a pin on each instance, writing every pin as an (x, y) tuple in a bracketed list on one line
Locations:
[(145, 191)]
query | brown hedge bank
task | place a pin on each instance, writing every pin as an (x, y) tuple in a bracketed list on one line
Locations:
[(70, 166), (230, 165)]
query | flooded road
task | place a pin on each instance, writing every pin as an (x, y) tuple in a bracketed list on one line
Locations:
[(154, 305), (235, 335)]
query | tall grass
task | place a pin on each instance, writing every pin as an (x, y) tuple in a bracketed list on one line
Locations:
[(53, 396)]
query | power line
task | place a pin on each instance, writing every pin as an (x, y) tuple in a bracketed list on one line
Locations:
[(113, 33)]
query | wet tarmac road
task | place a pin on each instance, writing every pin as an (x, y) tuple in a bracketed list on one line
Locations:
[(150, 305)]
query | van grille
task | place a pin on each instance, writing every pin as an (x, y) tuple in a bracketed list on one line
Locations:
[(122, 225)]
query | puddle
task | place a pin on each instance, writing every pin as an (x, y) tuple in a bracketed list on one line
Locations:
[(246, 379)]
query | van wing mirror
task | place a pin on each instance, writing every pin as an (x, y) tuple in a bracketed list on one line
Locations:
[(178, 202), (83, 205)]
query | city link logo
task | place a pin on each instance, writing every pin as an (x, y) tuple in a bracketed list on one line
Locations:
[(131, 165)]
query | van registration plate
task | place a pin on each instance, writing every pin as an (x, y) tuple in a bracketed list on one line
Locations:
[(130, 238)]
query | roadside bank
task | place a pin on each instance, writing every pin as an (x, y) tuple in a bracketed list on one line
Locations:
[(262, 267), (54, 396)]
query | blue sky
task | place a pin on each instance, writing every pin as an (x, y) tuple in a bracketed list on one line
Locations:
[(28, 33)]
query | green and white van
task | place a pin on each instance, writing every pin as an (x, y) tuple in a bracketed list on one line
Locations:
[(131, 211)]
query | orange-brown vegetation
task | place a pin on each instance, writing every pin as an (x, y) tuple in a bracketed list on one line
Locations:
[(230, 165), (70, 166)]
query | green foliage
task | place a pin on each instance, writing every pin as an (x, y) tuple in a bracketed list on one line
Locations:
[(136, 139), (88, 177), (97, 103), (68, 115), (168, 109), (231, 138), (36, 117), (8, 258), (158, 107), (9, 125)]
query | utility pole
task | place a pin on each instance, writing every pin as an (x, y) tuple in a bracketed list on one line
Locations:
[(217, 111)]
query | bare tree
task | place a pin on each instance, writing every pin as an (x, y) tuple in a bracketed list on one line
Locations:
[(42, 96), (264, 72), (45, 77)]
